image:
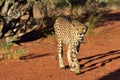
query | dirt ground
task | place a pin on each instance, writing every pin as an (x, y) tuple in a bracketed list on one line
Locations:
[(99, 57)]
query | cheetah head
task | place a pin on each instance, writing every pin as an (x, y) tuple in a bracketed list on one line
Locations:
[(80, 27)]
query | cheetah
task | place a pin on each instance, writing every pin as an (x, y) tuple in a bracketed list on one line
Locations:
[(70, 33)]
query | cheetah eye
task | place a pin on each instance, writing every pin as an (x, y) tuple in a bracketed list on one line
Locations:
[(77, 29), (84, 29)]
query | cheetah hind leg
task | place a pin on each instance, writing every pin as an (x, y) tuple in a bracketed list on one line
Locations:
[(60, 55)]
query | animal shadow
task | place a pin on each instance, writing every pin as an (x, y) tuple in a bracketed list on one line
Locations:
[(112, 76), (35, 35), (99, 60), (33, 56), (106, 18)]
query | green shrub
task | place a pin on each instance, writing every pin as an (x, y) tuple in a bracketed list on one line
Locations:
[(8, 52), (1, 2), (6, 45), (92, 20)]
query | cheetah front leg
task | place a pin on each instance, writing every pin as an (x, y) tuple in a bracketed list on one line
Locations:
[(75, 64), (60, 55)]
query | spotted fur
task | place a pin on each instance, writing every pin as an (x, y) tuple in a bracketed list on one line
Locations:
[(70, 33)]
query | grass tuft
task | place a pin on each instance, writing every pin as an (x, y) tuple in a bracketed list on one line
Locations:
[(92, 20), (8, 52)]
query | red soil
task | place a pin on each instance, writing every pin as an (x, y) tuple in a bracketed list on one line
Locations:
[(99, 57)]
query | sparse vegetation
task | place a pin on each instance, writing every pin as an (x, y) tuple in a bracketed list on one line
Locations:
[(92, 20), (13, 27), (8, 52)]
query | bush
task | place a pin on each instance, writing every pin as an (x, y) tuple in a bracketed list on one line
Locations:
[(8, 52), (92, 20)]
